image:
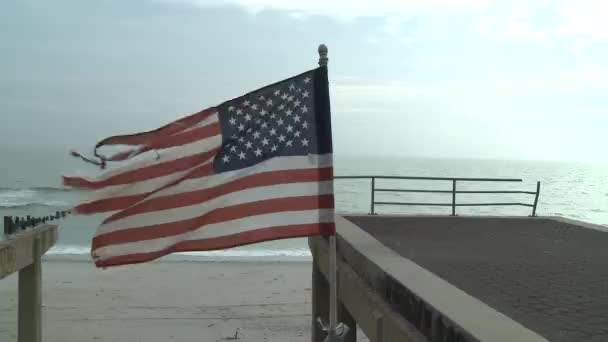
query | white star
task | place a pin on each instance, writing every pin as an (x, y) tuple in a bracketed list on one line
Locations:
[(257, 121), (288, 112), (231, 108), (269, 102), (280, 122), (239, 111), (234, 136), (254, 106), (241, 139), (296, 103), (299, 90), (296, 134), (233, 149), (273, 131), (226, 159), (261, 98), (305, 94), (305, 125), (241, 127), (232, 121), (273, 116), (289, 128), (274, 148), (304, 142), (264, 141), (248, 130), (296, 118), (264, 125), (263, 112), (258, 152), (307, 79), (281, 138), (248, 145), (304, 109), (246, 103), (289, 143), (277, 92), (242, 155), (290, 98), (292, 86), (247, 117), (281, 106), (256, 134), (284, 96)]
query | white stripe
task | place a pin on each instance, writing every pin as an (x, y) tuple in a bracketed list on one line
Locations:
[(230, 199), (143, 187), (167, 154), (219, 229), (311, 161), (153, 184), (274, 164), (208, 120)]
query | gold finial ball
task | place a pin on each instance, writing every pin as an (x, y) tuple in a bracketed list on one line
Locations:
[(322, 55)]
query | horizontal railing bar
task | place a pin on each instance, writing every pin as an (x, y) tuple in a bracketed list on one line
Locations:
[(460, 191), (415, 204), (492, 204), (434, 178), (422, 191), (450, 204), (495, 192)]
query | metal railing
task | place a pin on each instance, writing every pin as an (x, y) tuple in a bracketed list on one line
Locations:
[(453, 192)]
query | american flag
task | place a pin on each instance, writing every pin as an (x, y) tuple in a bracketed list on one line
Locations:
[(255, 168)]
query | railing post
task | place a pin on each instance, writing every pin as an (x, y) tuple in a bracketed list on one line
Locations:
[(30, 298), (536, 198), (373, 191), (453, 197)]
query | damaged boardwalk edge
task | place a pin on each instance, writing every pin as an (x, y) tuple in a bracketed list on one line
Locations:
[(21, 253), (393, 299)]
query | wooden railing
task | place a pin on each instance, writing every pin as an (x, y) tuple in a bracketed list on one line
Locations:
[(453, 191), (21, 252)]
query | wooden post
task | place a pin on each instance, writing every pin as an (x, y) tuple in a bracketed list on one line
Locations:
[(30, 298), (320, 303), (7, 225)]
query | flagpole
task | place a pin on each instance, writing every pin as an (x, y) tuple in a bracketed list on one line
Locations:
[(333, 300)]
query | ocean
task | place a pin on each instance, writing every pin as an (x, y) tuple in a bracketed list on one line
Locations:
[(30, 185)]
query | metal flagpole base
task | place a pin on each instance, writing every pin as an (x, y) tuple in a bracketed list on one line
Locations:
[(340, 333)]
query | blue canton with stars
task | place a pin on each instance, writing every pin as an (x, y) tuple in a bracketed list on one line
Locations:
[(278, 120)]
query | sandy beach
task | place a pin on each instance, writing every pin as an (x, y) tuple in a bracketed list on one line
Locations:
[(169, 301)]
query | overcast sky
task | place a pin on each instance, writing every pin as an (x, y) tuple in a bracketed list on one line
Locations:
[(437, 78)]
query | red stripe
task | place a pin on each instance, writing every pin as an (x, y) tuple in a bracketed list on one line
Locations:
[(230, 213), (123, 202), (169, 129), (223, 242), (199, 196), (144, 173)]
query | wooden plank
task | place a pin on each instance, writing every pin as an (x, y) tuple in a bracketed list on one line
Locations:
[(17, 252)]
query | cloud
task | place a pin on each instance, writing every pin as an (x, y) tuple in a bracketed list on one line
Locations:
[(584, 18), (350, 9)]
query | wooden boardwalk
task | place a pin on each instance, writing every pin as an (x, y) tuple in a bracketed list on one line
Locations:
[(439, 278)]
